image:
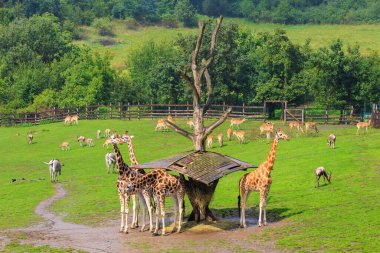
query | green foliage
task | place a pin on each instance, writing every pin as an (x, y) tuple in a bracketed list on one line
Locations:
[(104, 26), (186, 13)]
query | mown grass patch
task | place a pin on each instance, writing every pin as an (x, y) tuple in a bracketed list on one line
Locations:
[(341, 216)]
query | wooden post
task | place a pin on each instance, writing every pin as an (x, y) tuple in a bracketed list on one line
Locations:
[(303, 115), (120, 113), (285, 116), (98, 111), (110, 110), (35, 116), (326, 117), (138, 110), (151, 109), (129, 111), (187, 109), (54, 113), (243, 109), (86, 111)]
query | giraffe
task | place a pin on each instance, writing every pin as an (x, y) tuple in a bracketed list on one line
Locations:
[(259, 180), (126, 175), (162, 184)]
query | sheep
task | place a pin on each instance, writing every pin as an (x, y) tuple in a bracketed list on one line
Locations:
[(110, 161), (54, 169), (319, 172), (331, 141)]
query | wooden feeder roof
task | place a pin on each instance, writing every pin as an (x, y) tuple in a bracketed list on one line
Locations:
[(205, 167)]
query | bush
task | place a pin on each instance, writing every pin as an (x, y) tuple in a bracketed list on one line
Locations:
[(132, 24), (104, 26), (169, 21)]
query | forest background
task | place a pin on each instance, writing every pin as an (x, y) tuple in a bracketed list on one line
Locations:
[(42, 65)]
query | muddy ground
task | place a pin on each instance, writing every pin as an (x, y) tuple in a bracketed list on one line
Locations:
[(221, 236)]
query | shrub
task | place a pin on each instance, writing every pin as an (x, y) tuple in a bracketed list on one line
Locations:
[(104, 26), (169, 21), (132, 24)]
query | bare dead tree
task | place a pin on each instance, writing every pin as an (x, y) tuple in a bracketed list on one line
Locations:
[(200, 194)]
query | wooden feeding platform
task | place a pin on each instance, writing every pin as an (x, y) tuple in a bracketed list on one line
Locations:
[(205, 167)]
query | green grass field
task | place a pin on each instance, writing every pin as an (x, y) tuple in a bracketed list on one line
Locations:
[(340, 217), (367, 36)]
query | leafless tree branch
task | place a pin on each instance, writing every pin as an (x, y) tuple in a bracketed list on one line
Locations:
[(180, 130), (192, 86), (218, 122), (209, 92)]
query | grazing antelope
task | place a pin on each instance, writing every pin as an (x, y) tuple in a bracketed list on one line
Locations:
[(321, 172), (81, 140), (295, 124), (67, 120), (65, 146), (54, 169), (237, 122), (190, 123), (107, 133), (311, 125), (229, 134), (170, 118), (110, 162), (74, 119), (266, 126), (240, 135), (30, 138), (107, 142), (220, 139), (331, 141), (90, 142), (209, 141), (98, 133), (365, 125), (161, 124)]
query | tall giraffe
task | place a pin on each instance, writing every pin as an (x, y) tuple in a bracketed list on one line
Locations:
[(126, 175), (259, 180), (132, 156)]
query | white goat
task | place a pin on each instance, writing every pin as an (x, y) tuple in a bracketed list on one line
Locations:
[(54, 169), (110, 161)]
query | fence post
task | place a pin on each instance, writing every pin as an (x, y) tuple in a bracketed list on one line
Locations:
[(138, 110), (326, 117), (169, 110), (303, 116), (129, 111), (151, 109), (98, 111), (187, 109), (35, 116), (86, 111), (243, 110), (110, 110), (120, 114)]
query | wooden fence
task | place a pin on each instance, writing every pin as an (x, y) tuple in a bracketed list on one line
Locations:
[(128, 112), (322, 116)]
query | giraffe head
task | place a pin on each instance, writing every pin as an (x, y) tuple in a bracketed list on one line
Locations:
[(280, 135), (116, 140)]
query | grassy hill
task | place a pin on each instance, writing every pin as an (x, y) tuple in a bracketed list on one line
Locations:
[(367, 36), (339, 217)]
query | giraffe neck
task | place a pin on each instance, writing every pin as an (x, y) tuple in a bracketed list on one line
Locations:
[(119, 159), (132, 156), (271, 157)]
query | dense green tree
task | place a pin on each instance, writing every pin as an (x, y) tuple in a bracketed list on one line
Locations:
[(186, 13)]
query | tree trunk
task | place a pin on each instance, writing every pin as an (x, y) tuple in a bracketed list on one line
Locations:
[(200, 196)]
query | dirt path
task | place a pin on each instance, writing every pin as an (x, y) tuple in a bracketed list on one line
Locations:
[(210, 237)]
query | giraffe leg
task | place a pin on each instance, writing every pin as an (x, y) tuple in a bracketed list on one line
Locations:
[(265, 205), (134, 213), (143, 205), (244, 197), (162, 206), (157, 215), (126, 213), (261, 206), (175, 205), (180, 197), (122, 212), (148, 204)]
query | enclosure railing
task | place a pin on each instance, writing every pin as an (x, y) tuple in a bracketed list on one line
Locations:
[(129, 112), (322, 116)]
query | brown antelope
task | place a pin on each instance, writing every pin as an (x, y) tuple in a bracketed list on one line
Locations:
[(65, 146), (365, 125), (229, 134), (321, 172), (236, 122), (220, 139), (67, 120), (107, 142), (30, 138), (107, 132), (74, 119), (90, 142), (295, 124), (170, 118), (209, 141), (331, 141), (161, 124), (266, 126), (81, 140), (98, 133), (269, 132), (240, 135), (311, 125), (190, 123)]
